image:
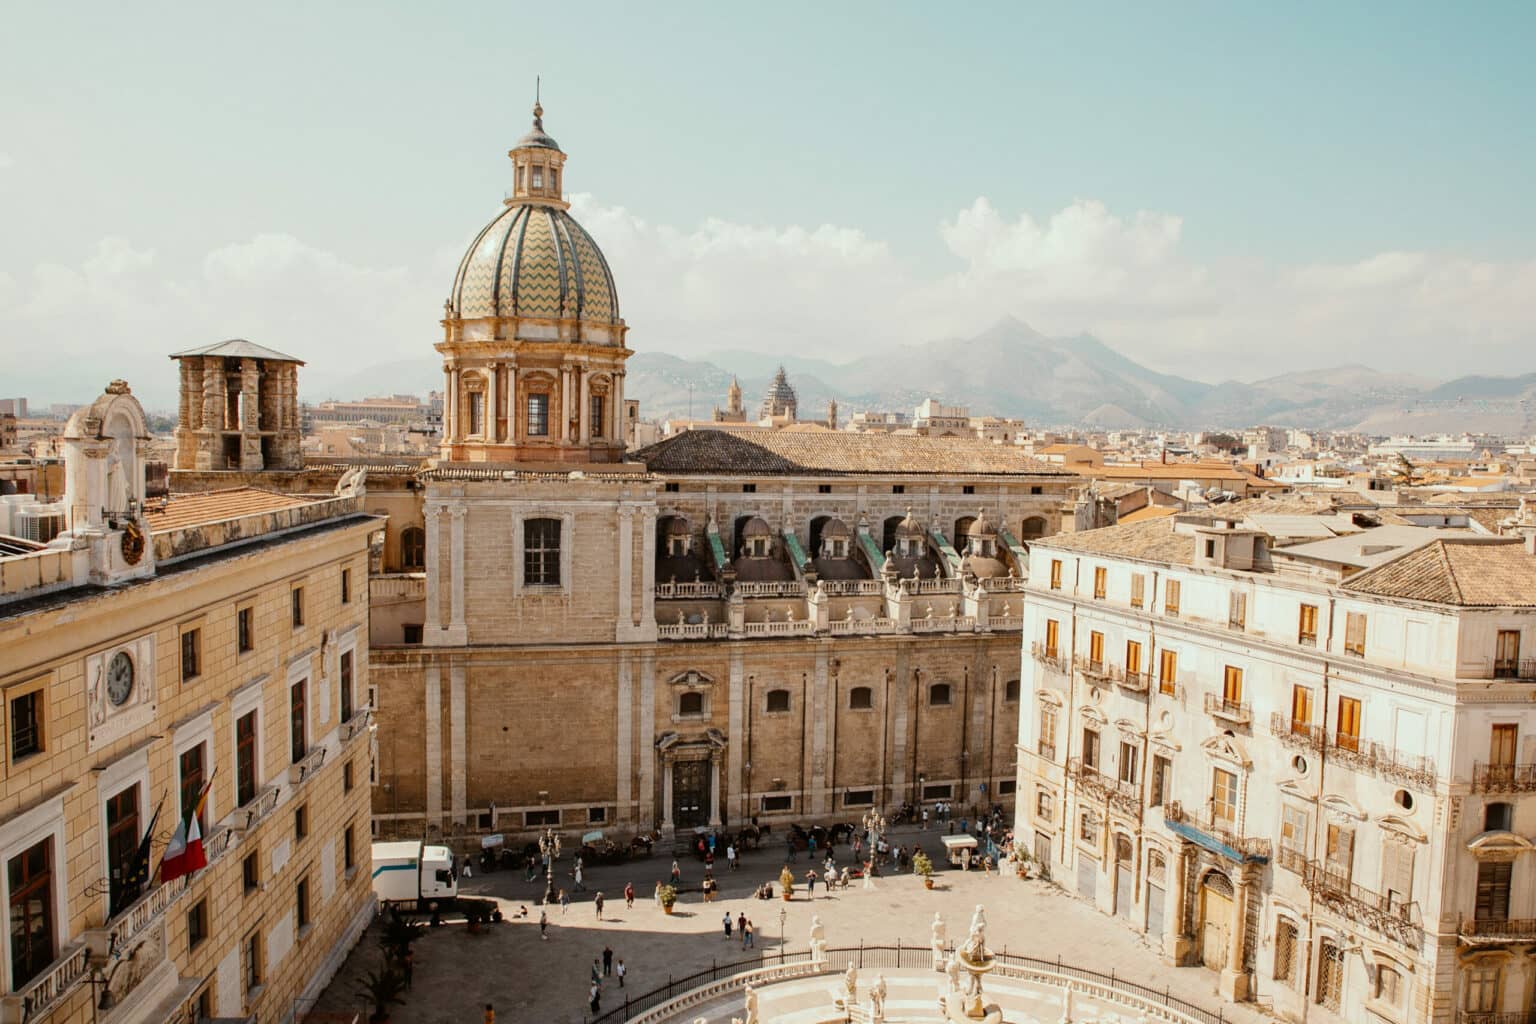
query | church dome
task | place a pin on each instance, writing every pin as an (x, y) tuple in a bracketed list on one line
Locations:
[(534, 260)]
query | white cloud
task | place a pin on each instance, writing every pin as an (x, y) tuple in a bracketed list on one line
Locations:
[(7, 161), (827, 290)]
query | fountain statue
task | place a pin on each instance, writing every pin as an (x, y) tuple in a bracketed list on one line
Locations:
[(818, 941), (975, 960), (877, 1000), (751, 997), (940, 936)]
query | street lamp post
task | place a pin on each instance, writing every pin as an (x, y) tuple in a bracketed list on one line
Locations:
[(549, 848), (783, 915)]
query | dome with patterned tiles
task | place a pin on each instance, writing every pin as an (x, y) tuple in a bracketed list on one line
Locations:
[(534, 259)]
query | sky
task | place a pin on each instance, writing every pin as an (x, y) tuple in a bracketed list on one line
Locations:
[(1224, 190)]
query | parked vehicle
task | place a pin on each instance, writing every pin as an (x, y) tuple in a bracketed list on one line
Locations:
[(413, 875)]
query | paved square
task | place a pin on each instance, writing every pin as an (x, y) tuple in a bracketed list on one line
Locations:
[(527, 979)]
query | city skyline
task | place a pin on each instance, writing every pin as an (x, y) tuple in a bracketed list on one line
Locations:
[(780, 190)]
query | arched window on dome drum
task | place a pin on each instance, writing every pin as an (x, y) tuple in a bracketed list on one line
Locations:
[(596, 412), (554, 180), (476, 413), (538, 176), (413, 549), (538, 415)]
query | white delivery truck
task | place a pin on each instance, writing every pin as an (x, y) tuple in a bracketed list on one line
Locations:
[(414, 875)]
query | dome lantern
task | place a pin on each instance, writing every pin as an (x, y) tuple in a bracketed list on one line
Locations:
[(538, 164)]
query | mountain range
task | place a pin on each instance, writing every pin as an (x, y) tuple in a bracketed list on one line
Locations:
[(1012, 370)]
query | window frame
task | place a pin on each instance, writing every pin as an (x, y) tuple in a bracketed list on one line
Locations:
[(768, 701), (35, 693), (935, 690), (190, 652), (296, 606), (245, 629), (869, 698), (542, 567), (413, 549), (536, 414)]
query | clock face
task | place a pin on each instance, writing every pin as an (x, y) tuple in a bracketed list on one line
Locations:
[(120, 678)]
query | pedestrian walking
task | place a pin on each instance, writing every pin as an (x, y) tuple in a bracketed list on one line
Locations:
[(607, 961), (726, 923), (565, 901), (811, 847), (789, 841), (749, 935), (741, 927), (869, 874), (658, 896), (829, 868), (490, 1014), (621, 970), (677, 873), (925, 819), (810, 884), (730, 857), (597, 973), (629, 895), (594, 996), (577, 873), (544, 925), (467, 872), (598, 903)]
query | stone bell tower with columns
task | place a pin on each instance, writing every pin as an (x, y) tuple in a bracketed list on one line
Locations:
[(239, 409), (533, 344)]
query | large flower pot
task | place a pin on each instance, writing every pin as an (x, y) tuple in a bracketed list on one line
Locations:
[(928, 883), (667, 907), (788, 896)]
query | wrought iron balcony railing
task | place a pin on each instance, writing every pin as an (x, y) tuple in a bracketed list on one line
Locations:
[(1298, 735), (1050, 657), (1492, 931), (1124, 795), (1388, 916), (1218, 830), (1235, 711), (1503, 778)]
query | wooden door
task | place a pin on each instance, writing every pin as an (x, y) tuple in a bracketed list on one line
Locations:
[(1216, 926)]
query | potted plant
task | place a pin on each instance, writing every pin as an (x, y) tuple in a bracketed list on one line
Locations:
[(668, 897), (923, 866), (787, 883), (382, 988), (398, 936)]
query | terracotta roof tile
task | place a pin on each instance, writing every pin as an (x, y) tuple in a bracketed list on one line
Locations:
[(183, 510), (1476, 573), (830, 452)]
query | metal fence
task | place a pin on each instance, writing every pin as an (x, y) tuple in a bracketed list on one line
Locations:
[(898, 957)]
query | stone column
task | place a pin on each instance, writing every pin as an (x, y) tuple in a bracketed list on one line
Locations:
[(625, 625), (1233, 983), (456, 625), (624, 748), (210, 445), (736, 732), (714, 789), (647, 742), (434, 575), (666, 791), (647, 626), (1175, 942), (492, 432), (584, 406), (443, 433), (250, 408), (821, 723), (456, 752), (456, 431), (433, 742)]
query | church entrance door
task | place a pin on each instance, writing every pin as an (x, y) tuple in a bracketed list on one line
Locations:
[(690, 793)]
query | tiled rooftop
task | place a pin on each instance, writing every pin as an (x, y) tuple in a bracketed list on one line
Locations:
[(836, 453), (1470, 572), (183, 510)]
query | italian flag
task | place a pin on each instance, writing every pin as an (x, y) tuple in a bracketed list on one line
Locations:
[(185, 854)]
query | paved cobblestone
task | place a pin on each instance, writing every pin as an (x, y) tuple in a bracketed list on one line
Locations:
[(546, 981)]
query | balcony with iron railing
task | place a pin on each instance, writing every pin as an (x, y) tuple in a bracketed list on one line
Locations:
[(1049, 657), (1047, 750), (1496, 930), (1118, 792), (1517, 669), (1099, 670), (1135, 682), (1235, 711), (1384, 913), (116, 935), (1503, 778), (1296, 734), (248, 814), (306, 767), (1417, 770), (356, 726), (1216, 833), (32, 1002), (1294, 861)]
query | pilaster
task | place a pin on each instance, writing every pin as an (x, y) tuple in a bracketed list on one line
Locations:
[(624, 625), (624, 748), (820, 741), (457, 632), (456, 751), (432, 625), (432, 708), (647, 746), (736, 732)]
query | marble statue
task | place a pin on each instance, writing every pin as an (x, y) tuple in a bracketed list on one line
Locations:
[(851, 984), (751, 997), (952, 972), (877, 1000), (818, 939)]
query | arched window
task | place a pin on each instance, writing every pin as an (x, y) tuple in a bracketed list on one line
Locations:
[(861, 698), (541, 553), (690, 704), (1011, 691), (1285, 950), (1330, 973), (413, 548), (1033, 528), (1498, 817), (778, 700), (1389, 984), (938, 695)]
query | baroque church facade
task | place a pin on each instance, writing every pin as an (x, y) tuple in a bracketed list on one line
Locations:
[(784, 625)]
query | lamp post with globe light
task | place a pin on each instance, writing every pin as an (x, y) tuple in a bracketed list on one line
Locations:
[(549, 849)]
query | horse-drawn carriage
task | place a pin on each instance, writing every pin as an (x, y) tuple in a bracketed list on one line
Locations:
[(598, 849)]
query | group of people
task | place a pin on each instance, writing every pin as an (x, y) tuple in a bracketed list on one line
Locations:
[(603, 967), (743, 927)]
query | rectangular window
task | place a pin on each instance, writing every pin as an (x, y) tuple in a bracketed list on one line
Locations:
[(1162, 779), (246, 641), (301, 822), (541, 552), (538, 415), (1096, 650), (1168, 672), (193, 775), (859, 798), (1087, 829), (596, 403), (301, 902), (1492, 891), (27, 724), (32, 925), (938, 791), (823, 488), (1100, 582), (541, 819), (1055, 574), (1347, 725), (1237, 610), (348, 852), (778, 803), (597, 815), (1091, 749), (1128, 763), (1502, 741), (1397, 872), (1506, 659), (749, 488), (191, 653), (345, 673), (1301, 709), (673, 488), (1232, 685), (347, 780), (476, 413), (1295, 823), (298, 723), (1306, 628), (410, 633), (251, 954), (1007, 787), (296, 601), (1354, 634), (1171, 597), (1048, 734), (1052, 637), (197, 924), (1045, 805), (1339, 856), (122, 845), (250, 872), (538, 177), (245, 758), (898, 488), (968, 489), (1132, 658), (346, 586), (1223, 796), (1138, 590)]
